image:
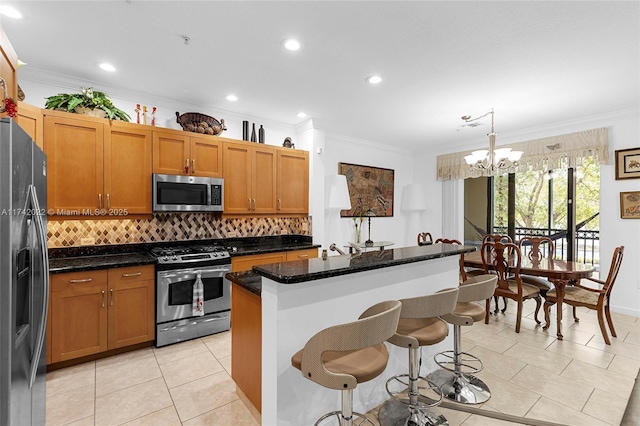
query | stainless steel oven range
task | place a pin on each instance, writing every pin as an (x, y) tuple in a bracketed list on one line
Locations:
[(176, 273)]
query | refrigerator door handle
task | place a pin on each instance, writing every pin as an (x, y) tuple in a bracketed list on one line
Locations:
[(41, 231)]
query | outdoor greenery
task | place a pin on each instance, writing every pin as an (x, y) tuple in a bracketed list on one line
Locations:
[(532, 192), (87, 98)]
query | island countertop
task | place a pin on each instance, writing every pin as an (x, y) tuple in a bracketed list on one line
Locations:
[(299, 271)]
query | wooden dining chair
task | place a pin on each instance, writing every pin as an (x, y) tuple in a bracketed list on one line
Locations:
[(424, 239), (476, 272), (505, 260), (592, 298), (463, 273), (536, 249)]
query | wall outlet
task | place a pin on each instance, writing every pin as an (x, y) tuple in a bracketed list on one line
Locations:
[(87, 241), (231, 234)]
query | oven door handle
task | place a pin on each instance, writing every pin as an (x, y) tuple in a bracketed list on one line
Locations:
[(194, 271)]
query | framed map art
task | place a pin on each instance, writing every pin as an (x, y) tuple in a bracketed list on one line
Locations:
[(370, 188)]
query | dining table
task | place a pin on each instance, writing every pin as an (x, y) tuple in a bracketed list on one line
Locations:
[(560, 272)]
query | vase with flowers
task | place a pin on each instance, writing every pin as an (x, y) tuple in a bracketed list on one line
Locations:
[(357, 222)]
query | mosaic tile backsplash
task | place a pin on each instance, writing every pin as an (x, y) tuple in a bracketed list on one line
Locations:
[(171, 227)]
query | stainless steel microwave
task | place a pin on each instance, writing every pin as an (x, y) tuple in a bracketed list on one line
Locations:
[(175, 193)]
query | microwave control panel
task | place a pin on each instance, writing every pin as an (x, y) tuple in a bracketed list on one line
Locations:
[(216, 195)]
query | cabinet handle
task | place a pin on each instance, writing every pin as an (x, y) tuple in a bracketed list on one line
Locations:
[(83, 280), (279, 204), (193, 165), (100, 201), (186, 167), (108, 201), (111, 290), (102, 298), (303, 255), (254, 204), (137, 274)]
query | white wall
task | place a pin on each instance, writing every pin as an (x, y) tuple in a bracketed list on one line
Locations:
[(624, 132)]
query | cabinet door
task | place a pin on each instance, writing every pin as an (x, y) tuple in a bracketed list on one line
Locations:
[(264, 180), (74, 151), (78, 314), (237, 178), (30, 119), (127, 169), (245, 263), (131, 306), (302, 254), (170, 153), (206, 157), (293, 181)]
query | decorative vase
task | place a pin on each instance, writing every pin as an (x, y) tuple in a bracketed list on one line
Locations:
[(253, 133), (261, 134), (245, 130), (358, 231)]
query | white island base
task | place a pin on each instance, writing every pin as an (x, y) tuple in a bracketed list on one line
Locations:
[(292, 313)]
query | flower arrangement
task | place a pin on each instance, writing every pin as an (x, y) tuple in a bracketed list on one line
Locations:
[(357, 220), (89, 99)]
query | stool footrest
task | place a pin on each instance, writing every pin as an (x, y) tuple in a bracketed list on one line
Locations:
[(404, 396), (466, 364), (362, 419)]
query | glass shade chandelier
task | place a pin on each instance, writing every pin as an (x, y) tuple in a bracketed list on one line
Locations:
[(492, 161)]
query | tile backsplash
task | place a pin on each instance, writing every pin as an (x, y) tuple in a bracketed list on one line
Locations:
[(171, 227)]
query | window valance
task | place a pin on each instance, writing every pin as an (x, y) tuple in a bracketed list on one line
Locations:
[(550, 153)]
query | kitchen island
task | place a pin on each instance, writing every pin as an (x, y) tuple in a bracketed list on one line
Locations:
[(300, 298)]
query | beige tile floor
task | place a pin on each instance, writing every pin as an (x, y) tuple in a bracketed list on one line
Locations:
[(577, 381)]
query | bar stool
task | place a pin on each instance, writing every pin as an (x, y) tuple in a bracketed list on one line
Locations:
[(455, 379), (419, 326), (344, 355)]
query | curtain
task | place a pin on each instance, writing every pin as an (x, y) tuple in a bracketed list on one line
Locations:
[(550, 153)]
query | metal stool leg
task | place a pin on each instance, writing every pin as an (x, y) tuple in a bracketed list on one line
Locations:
[(347, 417), (408, 407), (453, 381)]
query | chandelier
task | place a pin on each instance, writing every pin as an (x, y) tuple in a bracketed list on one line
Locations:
[(492, 161)]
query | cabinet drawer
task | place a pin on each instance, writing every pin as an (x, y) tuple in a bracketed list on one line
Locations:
[(302, 254), (131, 273), (72, 280)]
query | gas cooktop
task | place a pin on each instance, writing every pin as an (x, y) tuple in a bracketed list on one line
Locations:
[(190, 253)]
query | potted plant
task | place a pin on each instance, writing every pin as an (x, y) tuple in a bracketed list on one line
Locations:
[(88, 101)]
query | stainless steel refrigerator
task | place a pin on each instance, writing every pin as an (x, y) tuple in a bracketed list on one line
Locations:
[(24, 277)]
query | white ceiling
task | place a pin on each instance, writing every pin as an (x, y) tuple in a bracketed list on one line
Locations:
[(535, 62)]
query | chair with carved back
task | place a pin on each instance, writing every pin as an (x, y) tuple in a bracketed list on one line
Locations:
[(592, 298), (475, 272), (425, 239), (463, 273), (537, 248), (505, 260)]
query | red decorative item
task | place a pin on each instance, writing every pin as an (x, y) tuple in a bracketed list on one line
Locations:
[(10, 107), (137, 110)]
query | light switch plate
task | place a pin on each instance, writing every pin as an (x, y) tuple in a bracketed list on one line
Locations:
[(87, 241)]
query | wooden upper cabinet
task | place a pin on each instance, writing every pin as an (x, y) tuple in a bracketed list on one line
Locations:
[(74, 151), (206, 157), (293, 181), (8, 68), (30, 118), (176, 152), (127, 168), (249, 178), (170, 153)]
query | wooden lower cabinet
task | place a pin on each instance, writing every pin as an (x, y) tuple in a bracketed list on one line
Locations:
[(246, 343), (245, 263), (94, 311)]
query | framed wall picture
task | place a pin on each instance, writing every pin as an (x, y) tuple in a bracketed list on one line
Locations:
[(630, 205), (370, 188), (628, 163)]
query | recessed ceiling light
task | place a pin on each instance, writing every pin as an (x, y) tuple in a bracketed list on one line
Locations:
[(374, 79), (291, 44), (301, 115), (107, 67), (232, 98), (10, 12)]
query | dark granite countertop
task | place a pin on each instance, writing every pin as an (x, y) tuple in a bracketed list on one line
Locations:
[(248, 280), (87, 263), (314, 269), (84, 258)]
